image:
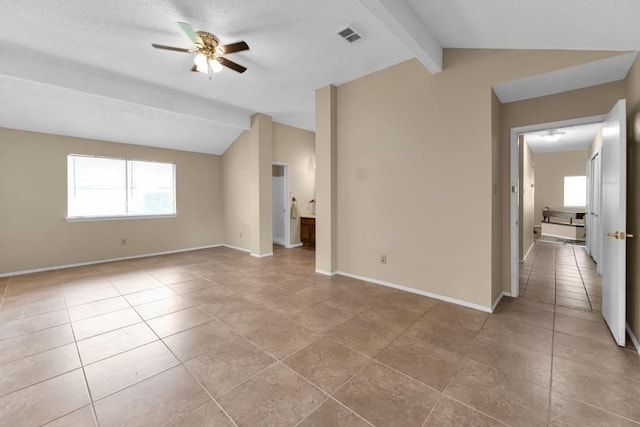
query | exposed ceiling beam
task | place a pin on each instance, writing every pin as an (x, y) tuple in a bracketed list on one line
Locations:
[(577, 77), (404, 23), (43, 68)]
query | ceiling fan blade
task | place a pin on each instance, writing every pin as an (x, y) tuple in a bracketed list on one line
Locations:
[(234, 47), (190, 32), (175, 49), (230, 64)]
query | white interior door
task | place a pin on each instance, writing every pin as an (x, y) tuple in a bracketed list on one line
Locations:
[(613, 220), (279, 209)]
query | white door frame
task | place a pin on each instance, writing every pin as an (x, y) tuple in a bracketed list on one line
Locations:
[(514, 259), (594, 236), (287, 209)]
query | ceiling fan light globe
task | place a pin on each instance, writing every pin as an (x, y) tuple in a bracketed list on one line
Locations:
[(216, 66), (201, 63)]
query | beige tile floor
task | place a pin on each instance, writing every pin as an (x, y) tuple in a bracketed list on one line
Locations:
[(218, 338), (561, 273)]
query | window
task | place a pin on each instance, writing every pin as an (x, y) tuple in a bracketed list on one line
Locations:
[(575, 191), (106, 187)]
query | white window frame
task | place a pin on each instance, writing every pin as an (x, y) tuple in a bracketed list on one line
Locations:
[(123, 217)]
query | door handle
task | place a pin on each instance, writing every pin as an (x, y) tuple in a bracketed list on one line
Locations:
[(619, 235)]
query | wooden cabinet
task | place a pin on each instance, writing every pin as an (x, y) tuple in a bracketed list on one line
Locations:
[(308, 232)]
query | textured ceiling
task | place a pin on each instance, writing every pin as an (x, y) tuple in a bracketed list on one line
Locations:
[(294, 48), (62, 54), (575, 138), (539, 24)]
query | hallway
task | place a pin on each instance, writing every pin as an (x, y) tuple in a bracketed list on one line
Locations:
[(563, 274)]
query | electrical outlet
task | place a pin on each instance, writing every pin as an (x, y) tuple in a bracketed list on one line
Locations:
[(124, 241), (383, 259), (241, 234)]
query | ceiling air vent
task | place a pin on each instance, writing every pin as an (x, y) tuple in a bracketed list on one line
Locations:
[(349, 34)]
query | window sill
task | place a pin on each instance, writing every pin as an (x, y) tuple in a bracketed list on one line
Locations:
[(116, 218)]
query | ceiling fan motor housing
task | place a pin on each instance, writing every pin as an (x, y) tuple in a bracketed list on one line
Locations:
[(210, 46)]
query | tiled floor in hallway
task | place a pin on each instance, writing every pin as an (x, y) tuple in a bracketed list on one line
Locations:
[(218, 338), (561, 273)]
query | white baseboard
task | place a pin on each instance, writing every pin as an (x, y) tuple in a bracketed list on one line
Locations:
[(237, 248), (634, 340), (102, 261), (261, 256), (524, 258), (417, 291), (497, 301), (557, 236), (295, 245), (327, 273)]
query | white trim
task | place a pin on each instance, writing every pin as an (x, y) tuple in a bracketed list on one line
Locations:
[(417, 291), (326, 273), (117, 218), (497, 301), (569, 239), (634, 340), (529, 250), (102, 261), (261, 256), (514, 256), (295, 245), (514, 213), (237, 248)]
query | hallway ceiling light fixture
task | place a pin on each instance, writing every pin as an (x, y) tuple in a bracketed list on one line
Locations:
[(552, 135)]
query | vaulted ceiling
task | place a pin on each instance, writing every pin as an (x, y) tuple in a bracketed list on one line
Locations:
[(86, 68)]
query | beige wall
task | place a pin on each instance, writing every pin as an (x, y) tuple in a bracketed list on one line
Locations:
[(261, 193), (326, 180), (527, 195), (245, 196), (415, 170), (568, 105), (551, 168), (237, 178), (33, 187), (632, 86), (296, 147)]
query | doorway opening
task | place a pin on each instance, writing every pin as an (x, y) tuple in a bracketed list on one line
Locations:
[(523, 188), (554, 261), (612, 140), (280, 204)]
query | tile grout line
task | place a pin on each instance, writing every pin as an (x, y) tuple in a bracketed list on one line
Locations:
[(584, 286), (41, 351), (180, 363), (553, 338), (289, 355), (312, 411), (330, 396), (84, 374), (163, 343), (475, 409), (571, 397), (281, 361)]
